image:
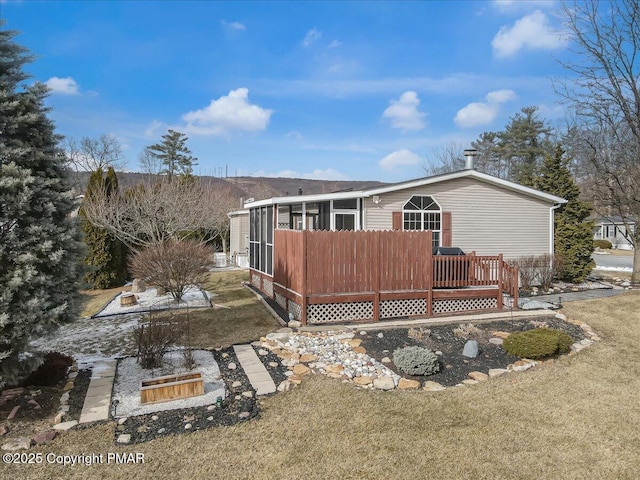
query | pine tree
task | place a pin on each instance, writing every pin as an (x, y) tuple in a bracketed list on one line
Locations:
[(573, 238), (106, 256), (39, 238), (523, 145), (173, 153)]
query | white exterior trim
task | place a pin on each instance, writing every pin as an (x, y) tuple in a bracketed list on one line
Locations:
[(323, 197)]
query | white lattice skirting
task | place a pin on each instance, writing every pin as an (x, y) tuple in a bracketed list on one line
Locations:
[(281, 300), (403, 308), (295, 309), (339, 312), (461, 305), (267, 287)]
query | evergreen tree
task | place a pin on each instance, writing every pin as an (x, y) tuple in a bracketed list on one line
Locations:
[(39, 239), (523, 145), (173, 153), (573, 238), (106, 256)]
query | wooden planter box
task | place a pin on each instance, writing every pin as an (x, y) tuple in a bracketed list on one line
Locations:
[(171, 387)]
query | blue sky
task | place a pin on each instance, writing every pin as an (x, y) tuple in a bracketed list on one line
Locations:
[(330, 90)]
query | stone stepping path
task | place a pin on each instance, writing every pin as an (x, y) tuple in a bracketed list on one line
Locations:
[(98, 400), (254, 369)]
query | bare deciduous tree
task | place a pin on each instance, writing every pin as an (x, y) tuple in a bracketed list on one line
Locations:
[(149, 163), (173, 265), (606, 99), (91, 154), (221, 201), (446, 159), (152, 213)]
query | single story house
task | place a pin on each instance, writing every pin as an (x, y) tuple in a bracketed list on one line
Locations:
[(313, 251), (614, 230), (239, 237)]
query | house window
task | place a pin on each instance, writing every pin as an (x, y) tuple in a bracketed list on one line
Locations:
[(423, 213), (261, 239)]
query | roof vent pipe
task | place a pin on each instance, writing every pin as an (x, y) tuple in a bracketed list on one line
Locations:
[(469, 155), (299, 190)]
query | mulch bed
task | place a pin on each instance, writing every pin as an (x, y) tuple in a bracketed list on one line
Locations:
[(235, 408), (454, 367), (78, 393)]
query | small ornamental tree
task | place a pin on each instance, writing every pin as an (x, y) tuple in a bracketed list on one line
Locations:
[(106, 256), (573, 238), (173, 265)]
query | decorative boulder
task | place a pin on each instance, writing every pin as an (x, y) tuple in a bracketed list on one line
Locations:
[(470, 349), (138, 286)]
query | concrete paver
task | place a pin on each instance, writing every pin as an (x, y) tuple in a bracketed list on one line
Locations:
[(254, 369)]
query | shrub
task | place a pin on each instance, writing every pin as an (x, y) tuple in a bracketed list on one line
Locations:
[(537, 343), (416, 361), (538, 270), (466, 330), (51, 371), (602, 244), (153, 337)]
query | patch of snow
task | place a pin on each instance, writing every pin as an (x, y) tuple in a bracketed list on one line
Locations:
[(126, 388), (616, 269), (149, 300)]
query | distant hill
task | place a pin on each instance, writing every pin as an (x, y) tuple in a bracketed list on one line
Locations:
[(244, 187)]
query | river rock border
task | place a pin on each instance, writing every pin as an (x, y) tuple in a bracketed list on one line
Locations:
[(337, 354)]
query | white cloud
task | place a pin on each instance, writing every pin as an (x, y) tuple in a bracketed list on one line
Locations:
[(532, 31), (65, 86), (228, 113), (483, 113), (511, 5), (399, 158), (293, 134), (335, 44), (404, 113), (312, 36), (235, 26), (152, 129)]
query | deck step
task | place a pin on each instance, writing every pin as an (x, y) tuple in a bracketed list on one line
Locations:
[(255, 370)]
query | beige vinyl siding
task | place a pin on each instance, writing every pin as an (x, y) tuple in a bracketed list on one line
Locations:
[(239, 231), (484, 217)]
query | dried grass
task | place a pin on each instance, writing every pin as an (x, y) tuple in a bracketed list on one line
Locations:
[(575, 418)]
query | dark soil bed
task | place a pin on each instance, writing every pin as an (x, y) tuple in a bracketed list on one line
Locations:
[(78, 393), (454, 367)]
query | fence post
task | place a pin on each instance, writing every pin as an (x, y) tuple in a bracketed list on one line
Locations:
[(515, 281), (376, 276), (303, 313), (500, 281), (430, 275)]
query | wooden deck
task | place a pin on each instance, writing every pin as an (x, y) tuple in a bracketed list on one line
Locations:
[(323, 276)]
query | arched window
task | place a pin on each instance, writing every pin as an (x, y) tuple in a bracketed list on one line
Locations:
[(422, 212)]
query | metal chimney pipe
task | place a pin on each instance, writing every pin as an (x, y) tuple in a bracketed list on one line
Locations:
[(469, 154)]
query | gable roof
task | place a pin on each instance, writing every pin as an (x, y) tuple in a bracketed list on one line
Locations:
[(369, 192)]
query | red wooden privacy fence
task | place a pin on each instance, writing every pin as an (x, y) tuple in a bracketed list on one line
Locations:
[(322, 267)]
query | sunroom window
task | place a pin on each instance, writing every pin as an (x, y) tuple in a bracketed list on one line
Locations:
[(422, 212)]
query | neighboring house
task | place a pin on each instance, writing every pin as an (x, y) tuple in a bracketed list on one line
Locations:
[(239, 237), (491, 218), (614, 230)]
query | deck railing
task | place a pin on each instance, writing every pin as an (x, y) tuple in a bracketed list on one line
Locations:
[(323, 266)]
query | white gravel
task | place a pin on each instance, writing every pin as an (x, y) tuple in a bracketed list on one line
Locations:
[(126, 388), (149, 300)]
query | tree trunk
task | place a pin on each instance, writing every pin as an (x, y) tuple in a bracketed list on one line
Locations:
[(635, 274)]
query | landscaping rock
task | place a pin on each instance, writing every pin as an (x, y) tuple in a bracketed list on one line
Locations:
[(284, 386), (138, 286), (232, 366), (236, 384), (522, 365), (3, 430), (19, 443), (12, 392), (470, 381), (295, 379), (359, 350), (301, 369), (407, 384), (245, 414), (65, 425), (263, 352), (124, 438), (386, 360), (496, 341), (430, 386), (363, 381), (470, 349), (496, 372), (384, 383), (478, 376), (44, 437), (13, 412), (294, 324)]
